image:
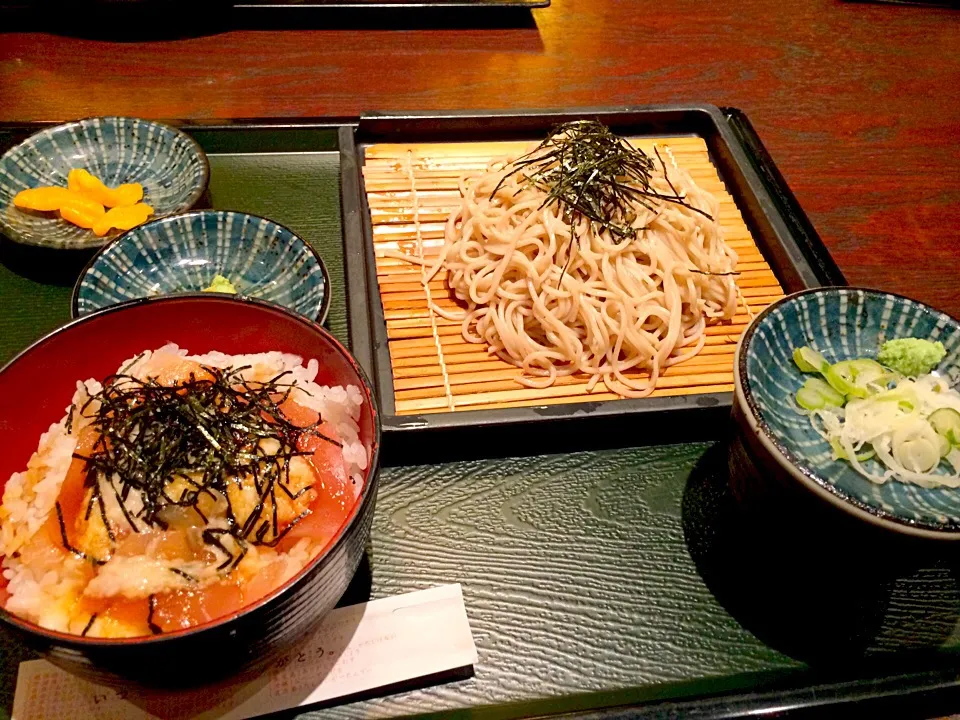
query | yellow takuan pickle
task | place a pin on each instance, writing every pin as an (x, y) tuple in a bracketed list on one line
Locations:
[(81, 211), (73, 206), (122, 218), (43, 199), (83, 182), (82, 203)]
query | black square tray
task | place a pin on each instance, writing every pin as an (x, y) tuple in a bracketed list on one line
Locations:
[(785, 237)]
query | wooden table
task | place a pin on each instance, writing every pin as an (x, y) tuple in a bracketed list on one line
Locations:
[(859, 104), (600, 574)]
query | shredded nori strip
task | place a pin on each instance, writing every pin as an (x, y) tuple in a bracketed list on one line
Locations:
[(103, 515), (666, 176), (66, 541), (717, 274), (97, 497), (594, 174), (123, 507), (89, 625), (152, 608), (205, 433), (185, 575)]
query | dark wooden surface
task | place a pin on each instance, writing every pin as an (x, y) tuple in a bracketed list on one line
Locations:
[(858, 103)]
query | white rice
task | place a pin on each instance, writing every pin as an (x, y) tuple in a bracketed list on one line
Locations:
[(44, 592), (29, 496)]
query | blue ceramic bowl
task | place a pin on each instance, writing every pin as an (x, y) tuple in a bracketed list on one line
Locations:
[(842, 323), (183, 253), (170, 165)]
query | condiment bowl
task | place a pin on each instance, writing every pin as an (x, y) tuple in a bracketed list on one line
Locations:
[(37, 385), (841, 323), (170, 165), (184, 253)]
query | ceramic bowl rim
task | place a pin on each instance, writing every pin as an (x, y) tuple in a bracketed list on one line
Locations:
[(322, 313), (199, 188), (367, 497), (795, 466)]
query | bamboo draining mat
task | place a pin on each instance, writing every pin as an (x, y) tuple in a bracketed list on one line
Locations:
[(411, 190)]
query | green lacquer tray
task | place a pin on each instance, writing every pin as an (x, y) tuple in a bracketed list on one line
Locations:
[(618, 581)]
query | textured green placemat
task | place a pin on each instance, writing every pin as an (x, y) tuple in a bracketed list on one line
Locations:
[(575, 575), (29, 308)]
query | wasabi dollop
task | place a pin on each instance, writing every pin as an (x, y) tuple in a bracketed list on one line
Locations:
[(221, 284), (911, 356)]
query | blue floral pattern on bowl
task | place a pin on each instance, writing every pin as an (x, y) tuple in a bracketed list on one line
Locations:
[(842, 323), (170, 165), (183, 253)]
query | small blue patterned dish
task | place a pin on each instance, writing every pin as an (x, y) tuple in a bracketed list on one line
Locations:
[(170, 165), (842, 323), (184, 253)]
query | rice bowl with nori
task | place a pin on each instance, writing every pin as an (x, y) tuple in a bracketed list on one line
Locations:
[(177, 491)]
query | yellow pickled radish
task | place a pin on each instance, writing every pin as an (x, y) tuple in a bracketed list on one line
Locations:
[(43, 199), (77, 179), (82, 202), (84, 213), (128, 194), (90, 186), (83, 182), (122, 218)]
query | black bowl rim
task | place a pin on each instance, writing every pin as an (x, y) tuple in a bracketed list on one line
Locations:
[(790, 460), (322, 313), (62, 639), (191, 200)]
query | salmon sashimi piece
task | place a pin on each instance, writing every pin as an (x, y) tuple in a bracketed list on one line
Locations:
[(44, 551), (185, 608), (298, 415), (327, 459), (116, 616), (265, 581), (74, 491), (170, 369), (335, 496)]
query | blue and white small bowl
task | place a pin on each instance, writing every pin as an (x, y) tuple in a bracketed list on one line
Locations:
[(170, 165), (184, 253), (842, 323)]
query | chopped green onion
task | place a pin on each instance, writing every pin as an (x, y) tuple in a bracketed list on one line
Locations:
[(946, 423), (809, 360), (842, 377), (841, 454), (916, 454), (816, 394)]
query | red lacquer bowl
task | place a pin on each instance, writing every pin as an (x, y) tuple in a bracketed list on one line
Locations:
[(37, 386)]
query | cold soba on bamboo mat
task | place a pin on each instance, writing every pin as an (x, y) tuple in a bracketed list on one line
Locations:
[(663, 278)]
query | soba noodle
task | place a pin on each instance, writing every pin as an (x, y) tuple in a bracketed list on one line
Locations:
[(556, 293)]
